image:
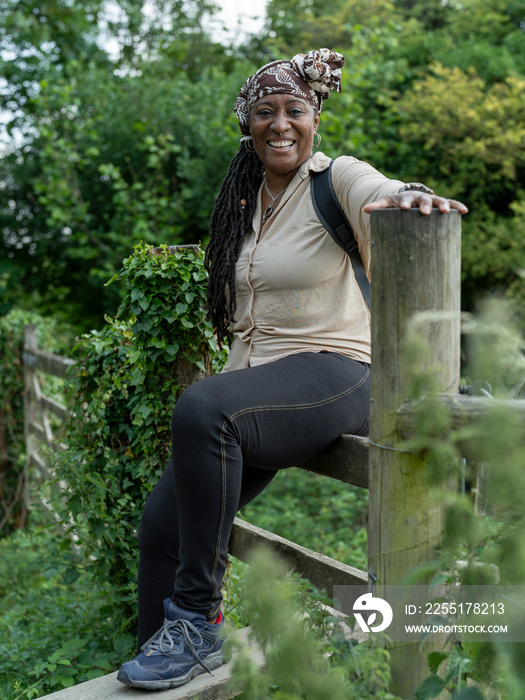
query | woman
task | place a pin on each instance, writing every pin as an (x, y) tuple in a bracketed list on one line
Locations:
[(297, 374)]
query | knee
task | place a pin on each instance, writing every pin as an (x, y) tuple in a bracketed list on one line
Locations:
[(197, 410)]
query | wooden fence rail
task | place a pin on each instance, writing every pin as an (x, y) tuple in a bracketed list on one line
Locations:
[(45, 419), (416, 270)]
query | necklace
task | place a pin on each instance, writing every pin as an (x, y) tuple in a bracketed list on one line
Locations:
[(269, 209)]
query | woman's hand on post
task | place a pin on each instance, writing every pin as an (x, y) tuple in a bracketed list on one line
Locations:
[(414, 199)]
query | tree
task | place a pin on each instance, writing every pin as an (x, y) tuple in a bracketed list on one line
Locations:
[(471, 146), (39, 39), (132, 145), (57, 37), (487, 35), (113, 153)]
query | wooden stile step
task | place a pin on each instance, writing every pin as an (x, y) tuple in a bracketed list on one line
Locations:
[(220, 686)]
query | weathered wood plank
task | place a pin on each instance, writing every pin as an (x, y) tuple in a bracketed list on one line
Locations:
[(38, 431), (37, 397), (321, 570), (464, 409), (29, 410), (34, 460), (47, 362), (54, 407), (204, 687), (345, 460)]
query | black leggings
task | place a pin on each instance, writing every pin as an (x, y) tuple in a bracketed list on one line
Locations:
[(230, 434)]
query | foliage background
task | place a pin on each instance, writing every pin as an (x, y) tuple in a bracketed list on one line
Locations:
[(119, 437), (118, 127)]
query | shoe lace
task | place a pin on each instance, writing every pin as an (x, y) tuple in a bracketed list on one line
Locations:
[(170, 636)]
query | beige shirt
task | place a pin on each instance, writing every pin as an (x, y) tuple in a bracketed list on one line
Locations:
[(296, 288)]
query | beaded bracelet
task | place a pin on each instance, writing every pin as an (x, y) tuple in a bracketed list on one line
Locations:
[(415, 186)]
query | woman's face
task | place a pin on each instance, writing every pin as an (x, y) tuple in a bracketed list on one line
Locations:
[(283, 128)]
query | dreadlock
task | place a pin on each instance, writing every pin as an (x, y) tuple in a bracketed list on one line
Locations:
[(229, 222)]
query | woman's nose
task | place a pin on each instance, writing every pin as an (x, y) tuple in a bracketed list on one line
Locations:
[(280, 123)]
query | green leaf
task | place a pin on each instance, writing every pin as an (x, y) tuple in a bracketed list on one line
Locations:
[(110, 281), (172, 349), (55, 657), (94, 673), (435, 659), (123, 644), (158, 343), (137, 376), (144, 303), (144, 410), (430, 688), (457, 665)]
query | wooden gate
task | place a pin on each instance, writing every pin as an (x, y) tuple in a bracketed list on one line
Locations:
[(45, 418)]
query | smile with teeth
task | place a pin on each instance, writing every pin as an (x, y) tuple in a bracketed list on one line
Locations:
[(281, 144)]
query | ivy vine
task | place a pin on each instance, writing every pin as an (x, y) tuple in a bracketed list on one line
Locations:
[(122, 392)]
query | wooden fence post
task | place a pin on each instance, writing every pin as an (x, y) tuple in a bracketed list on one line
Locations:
[(415, 268), (30, 343)]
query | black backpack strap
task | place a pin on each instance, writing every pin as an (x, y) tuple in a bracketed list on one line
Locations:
[(333, 218)]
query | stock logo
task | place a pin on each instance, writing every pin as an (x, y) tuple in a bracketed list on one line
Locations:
[(367, 603)]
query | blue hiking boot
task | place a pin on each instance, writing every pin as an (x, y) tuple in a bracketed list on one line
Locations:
[(185, 646)]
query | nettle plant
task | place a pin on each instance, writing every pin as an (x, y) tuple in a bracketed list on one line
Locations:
[(490, 542), (123, 390)]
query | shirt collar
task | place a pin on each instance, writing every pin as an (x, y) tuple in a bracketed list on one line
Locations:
[(317, 163)]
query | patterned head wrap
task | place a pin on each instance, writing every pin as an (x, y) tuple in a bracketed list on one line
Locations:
[(309, 76)]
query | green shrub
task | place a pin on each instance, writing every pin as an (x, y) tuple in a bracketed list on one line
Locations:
[(122, 392), (307, 653), (57, 629), (491, 543)]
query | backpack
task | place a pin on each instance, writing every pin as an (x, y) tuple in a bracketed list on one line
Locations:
[(333, 218)]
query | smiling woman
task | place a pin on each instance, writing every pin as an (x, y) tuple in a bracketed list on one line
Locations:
[(282, 129), (298, 370)]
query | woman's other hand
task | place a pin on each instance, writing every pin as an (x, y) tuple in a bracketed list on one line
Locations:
[(412, 199)]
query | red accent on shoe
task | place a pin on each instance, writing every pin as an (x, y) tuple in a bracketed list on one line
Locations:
[(218, 620)]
